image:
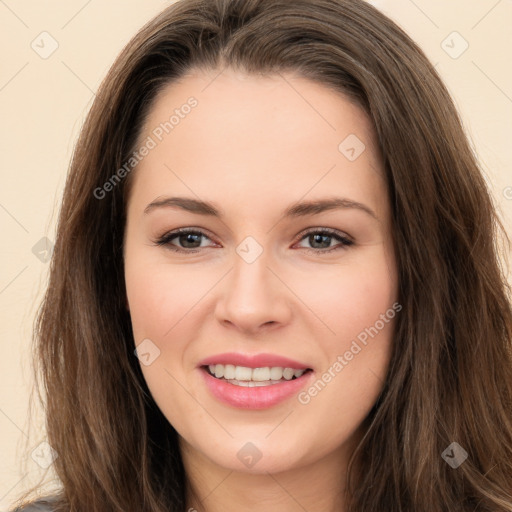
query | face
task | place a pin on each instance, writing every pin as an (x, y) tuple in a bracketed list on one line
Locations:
[(285, 260)]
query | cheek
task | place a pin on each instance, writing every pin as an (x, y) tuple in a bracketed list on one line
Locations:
[(357, 306), (159, 295), (350, 298), (367, 295), (356, 360)]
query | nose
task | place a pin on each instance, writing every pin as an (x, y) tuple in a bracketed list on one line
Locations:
[(254, 298)]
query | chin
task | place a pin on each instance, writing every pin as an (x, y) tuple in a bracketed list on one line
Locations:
[(256, 455)]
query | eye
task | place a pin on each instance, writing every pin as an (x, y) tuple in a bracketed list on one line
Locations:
[(322, 238), (190, 240)]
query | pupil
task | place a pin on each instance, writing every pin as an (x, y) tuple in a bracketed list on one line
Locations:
[(189, 238), (318, 238)]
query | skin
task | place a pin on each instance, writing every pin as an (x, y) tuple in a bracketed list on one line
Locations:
[(253, 146)]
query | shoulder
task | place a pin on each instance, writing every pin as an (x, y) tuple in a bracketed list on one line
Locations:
[(43, 505)]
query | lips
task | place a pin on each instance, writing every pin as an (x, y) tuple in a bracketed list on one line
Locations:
[(254, 361), (252, 394)]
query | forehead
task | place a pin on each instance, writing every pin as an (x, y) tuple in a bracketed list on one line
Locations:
[(251, 135)]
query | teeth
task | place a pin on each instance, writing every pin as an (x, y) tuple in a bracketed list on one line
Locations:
[(243, 373), (252, 383), (219, 371), (261, 374), (229, 372), (276, 373), (253, 375), (288, 373)]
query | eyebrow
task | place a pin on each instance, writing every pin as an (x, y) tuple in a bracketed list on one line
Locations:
[(299, 209)]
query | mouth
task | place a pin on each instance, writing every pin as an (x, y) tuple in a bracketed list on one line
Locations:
[(254, 381), (245, 376)]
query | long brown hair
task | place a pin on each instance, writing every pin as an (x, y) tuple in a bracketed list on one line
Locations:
[(450, 376)]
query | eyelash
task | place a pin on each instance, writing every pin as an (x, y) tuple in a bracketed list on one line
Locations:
[(166, 239)]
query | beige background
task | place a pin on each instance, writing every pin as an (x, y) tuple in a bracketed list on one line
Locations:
[(43, 103)]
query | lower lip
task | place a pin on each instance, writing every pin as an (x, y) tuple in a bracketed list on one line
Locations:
[(261, 397)]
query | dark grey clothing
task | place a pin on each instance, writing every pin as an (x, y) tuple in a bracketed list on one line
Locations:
[(38, 506)]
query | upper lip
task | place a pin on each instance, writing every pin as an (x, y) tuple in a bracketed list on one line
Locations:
[(253, 361)]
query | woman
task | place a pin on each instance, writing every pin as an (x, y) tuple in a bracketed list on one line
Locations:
[(276, 282)]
